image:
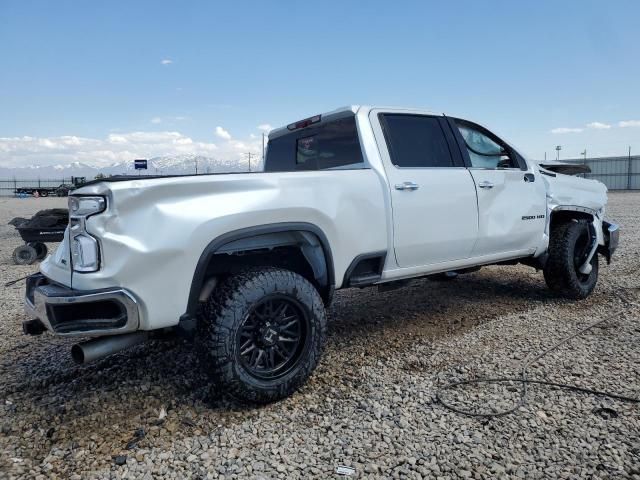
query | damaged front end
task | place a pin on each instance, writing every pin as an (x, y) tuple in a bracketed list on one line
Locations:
[(574, 197)]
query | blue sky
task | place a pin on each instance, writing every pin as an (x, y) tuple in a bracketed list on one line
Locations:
[(86, 80)]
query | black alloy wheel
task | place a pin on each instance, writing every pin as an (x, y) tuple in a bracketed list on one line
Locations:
[(272, 337)]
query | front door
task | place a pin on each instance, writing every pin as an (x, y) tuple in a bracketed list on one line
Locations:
[(433, 196), (511, 199)]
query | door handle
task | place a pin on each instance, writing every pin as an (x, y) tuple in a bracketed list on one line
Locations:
[(407, 186), (529, 177), (485, 184)]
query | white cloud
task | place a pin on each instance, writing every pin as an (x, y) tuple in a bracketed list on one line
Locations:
[(158, 120), (265, 127), (629, 123), (561, 130), (118, 147), (222, 133), (598, 125), (166, 61), (239, 145)]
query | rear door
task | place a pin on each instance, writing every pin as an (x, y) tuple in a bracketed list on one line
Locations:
[(511, 199), (433, 196)]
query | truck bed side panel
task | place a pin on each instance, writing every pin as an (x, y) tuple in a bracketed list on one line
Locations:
[(155, 249)]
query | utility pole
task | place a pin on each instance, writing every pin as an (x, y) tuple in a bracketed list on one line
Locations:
[(196, 160), (558, 148), (584, 154), (248, 154), (545, 156)]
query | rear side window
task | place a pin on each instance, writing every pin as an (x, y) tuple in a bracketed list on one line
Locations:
[(328, 145), (416, 141)]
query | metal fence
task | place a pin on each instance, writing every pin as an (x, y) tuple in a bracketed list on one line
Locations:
[(8, 187), (617, 173)]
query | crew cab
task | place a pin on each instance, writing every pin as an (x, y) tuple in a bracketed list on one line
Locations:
[(247, 262)]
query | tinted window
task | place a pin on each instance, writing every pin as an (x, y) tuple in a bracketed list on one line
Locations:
[(485, 150), (329, 145), (416, 141)]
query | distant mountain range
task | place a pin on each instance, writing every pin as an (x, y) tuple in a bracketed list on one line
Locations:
[(168, 165)]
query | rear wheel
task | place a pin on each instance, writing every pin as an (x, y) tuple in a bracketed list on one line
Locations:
[(262, 333), (569, 247), (25, 255)]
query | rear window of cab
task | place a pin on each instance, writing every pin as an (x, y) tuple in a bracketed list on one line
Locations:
[(332, 144)]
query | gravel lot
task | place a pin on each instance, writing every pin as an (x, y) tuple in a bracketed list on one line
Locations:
[(147, 412)]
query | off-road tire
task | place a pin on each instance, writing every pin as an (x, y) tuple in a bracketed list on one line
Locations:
[(561, 272), (225, 312), (24, 255)]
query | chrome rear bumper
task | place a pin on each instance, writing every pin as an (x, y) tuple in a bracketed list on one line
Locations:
[(68, 312)]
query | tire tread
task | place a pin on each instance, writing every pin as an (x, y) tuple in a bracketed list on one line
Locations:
[(559, 271), (220, 315)]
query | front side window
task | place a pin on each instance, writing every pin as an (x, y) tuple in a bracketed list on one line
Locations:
[(485, 151), (416, 141)]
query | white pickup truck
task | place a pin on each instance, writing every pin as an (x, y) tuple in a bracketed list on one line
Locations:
[(355, 197)]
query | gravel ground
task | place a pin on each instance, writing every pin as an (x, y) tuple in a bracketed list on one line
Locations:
[(147, 412)]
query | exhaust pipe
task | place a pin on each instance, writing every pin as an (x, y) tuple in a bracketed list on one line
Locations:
[(97, 348)]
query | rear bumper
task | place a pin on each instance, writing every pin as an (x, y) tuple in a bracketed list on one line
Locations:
[(611, 233), (68, 312)]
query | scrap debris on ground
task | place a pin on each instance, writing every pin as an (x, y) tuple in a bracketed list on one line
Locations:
[(369, 410)]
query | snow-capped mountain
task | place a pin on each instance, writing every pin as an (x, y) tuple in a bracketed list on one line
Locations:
[(167, 165)]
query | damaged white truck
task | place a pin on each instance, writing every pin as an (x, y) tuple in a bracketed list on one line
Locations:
[(356, 197)]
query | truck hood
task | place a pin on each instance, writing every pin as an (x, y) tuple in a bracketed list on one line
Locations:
[(567, 190), (566, 168)]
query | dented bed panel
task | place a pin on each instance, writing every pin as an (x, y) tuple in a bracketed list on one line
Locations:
[(153, 251)]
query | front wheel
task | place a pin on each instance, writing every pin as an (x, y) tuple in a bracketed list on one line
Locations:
[(262, 333), (569, 247)]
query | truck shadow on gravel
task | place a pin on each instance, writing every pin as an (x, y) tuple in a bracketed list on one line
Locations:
[(126, 391), (437, 308), (42, 366)]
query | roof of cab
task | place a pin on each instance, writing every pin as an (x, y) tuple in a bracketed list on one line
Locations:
[(350, 110), (332, 115)]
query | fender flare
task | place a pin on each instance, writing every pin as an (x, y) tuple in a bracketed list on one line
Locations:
[(595, 219), (218, 243)]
